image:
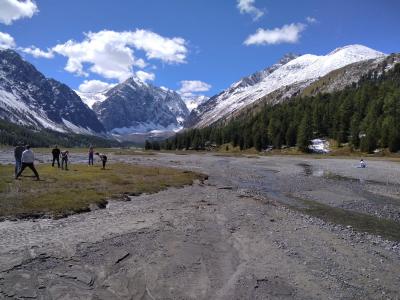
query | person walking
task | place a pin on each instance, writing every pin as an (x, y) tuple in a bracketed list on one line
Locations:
[(103, 159), (19, 148), (91, 155), (64, 160), (28, 158), (56, 156)]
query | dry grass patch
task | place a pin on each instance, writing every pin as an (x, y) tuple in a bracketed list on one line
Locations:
[(61, 193)]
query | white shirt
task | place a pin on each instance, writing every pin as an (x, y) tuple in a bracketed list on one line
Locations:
[(28, 156)]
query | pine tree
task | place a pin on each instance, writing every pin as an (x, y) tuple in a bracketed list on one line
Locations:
[(304, 134)]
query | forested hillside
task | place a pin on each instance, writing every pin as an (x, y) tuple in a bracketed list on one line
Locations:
[(365, 115), (10, 134)]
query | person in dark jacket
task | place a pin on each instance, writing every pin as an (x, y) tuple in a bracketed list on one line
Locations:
[(64, 160), (28, 158), (103, 159), (91, 155), (18, 156), (56, 156)]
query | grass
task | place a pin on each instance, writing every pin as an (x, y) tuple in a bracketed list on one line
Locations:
[(358, 221), (133, 152), (61, 193)]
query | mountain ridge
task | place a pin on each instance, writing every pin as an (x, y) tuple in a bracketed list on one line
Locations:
[(27, 97), (303, 69)]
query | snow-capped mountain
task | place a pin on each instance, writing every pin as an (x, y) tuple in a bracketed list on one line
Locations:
[(290, 74), (138, 107), (27, 97), (193, 101), (91, 98)]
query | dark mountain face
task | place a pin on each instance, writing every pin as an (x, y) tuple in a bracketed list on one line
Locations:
[(135, 106), (28, 97)]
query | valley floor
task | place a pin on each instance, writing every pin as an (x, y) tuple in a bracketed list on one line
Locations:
[(259, 228)]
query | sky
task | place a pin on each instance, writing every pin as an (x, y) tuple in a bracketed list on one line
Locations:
[(195, 47)]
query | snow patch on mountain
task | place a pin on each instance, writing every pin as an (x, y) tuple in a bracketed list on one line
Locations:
[(193, 101), (148, 127), (91, 98)]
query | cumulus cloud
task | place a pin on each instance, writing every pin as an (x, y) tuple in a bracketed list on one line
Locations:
[(193, 86), (111, 54), (169, 50), (311, 20), (247, 7), (94, 86), (145, 76), (36, 52), (289, 33), (12, 10), (6, 41)]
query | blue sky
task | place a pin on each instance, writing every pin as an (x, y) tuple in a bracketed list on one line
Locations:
[(200, 44)]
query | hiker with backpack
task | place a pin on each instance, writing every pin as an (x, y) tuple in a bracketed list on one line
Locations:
[(28, 158), (103, 159)]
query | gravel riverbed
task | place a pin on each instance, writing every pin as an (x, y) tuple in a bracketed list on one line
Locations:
[(240, 235)]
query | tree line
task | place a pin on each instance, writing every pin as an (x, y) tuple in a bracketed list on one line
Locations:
[(365, 115)]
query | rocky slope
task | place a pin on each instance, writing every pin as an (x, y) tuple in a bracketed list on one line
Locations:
[(137, 107), (27, 97), (285, 79)]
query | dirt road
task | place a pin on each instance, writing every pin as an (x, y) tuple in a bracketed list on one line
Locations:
[(241, 235)]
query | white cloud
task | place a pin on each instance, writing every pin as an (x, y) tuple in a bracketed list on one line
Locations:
[(144, 76), (247, 7), (36, 52), (289, 33), (170, 50), (94, 86), (311, 20), (111, 54), (12, 10), (140, 63), (193, 86), (6, 41)]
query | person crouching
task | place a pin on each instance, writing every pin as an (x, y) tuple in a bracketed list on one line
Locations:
[(28, 158)]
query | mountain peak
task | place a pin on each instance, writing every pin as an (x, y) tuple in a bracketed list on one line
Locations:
[(287, 57), (357, 49)]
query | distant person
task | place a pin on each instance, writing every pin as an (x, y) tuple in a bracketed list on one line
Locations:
[(19, 149), (91, 155), (56, 156), (362, 164), (28, 158), (103, 158), (64, 160)]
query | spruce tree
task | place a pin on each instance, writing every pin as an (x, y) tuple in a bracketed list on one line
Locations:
[(304, 134)]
